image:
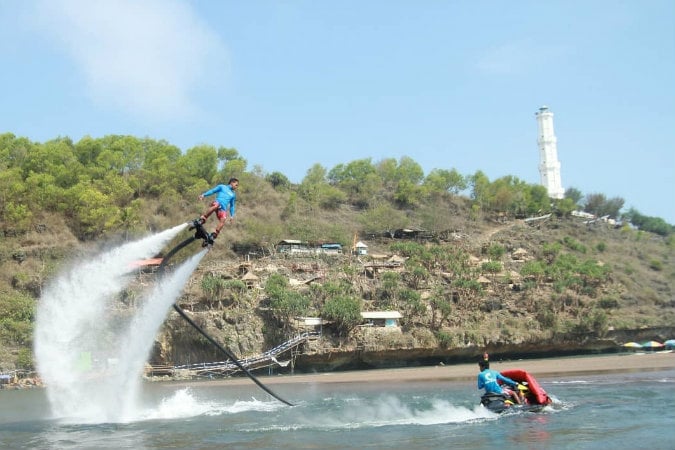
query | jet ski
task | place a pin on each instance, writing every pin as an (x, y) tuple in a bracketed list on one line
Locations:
[(534, 397)]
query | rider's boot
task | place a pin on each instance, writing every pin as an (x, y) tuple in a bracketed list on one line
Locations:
[(197, 222), (209, 239)]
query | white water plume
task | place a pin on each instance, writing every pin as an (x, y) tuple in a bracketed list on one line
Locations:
[(90, 355), (136, 343)]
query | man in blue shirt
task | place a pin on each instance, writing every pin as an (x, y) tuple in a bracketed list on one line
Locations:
[(223, 205), (487, 379)]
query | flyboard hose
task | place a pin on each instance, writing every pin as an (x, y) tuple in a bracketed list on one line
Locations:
[(225, 351)]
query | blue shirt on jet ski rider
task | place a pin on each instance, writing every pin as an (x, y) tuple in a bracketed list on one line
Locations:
[(488, 380)]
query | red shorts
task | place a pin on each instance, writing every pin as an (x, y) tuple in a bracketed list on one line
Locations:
[(220, 213)]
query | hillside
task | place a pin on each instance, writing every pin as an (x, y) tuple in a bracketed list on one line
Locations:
[(473, 273), (514, 314), (510, 311)]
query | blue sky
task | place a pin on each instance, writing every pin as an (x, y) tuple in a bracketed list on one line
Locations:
[(452, 84)]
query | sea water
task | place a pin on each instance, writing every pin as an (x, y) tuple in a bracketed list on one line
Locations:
[(616, 411)]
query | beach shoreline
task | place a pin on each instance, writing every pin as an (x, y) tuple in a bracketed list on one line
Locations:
[(540, 368)]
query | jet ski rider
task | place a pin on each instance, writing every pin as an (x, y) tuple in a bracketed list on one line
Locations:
[(488, 380)]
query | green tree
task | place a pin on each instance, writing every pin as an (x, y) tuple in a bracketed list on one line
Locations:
[(310, 187), (330, 289), (382, 218), (411, 305), (496, 252), (123, 155), (130, 215), (330, 197), (409, 170), (646, 223), (538, 200), (288, 305), (387, 172), (233, 168), (263, 233), (17, 314), (285, 303), (55, 158), (200, 162), (20, 216), (12, 188), (213, 287), (87, 150), (565, 206), (574, 194), (501, 194), (116, 188), (352, 175), (441, 308), (492, 268), (279, 181), (551, 251), (42, 192), (275, 285), (24, 360), (408, 190), (533, 269), (389, 290), (91, 211), (599, 205), (416, 275), (13, 151), (441, 180), (358, 179), (228, 155), (160, 171), (344, 311), (479, 184), (408, 194), (469, 291)]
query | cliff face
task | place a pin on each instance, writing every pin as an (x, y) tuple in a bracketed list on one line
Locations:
[(364, 358), (516, 313), (369, 348)]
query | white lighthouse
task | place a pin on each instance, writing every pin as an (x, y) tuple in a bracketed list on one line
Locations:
[(549, 166)]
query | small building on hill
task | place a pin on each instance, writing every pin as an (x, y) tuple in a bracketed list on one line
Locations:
[(385, 319), (250, 279), (310, 324), (413, 233), (331, 248), (293, 247), (360, 248)]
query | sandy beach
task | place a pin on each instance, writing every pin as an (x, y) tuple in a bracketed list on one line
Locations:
[(540, 368)]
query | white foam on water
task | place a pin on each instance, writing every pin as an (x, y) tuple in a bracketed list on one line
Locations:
[(183, 404), (389, 410)]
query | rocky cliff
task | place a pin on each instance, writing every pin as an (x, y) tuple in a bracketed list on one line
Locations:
[(514, 314)]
